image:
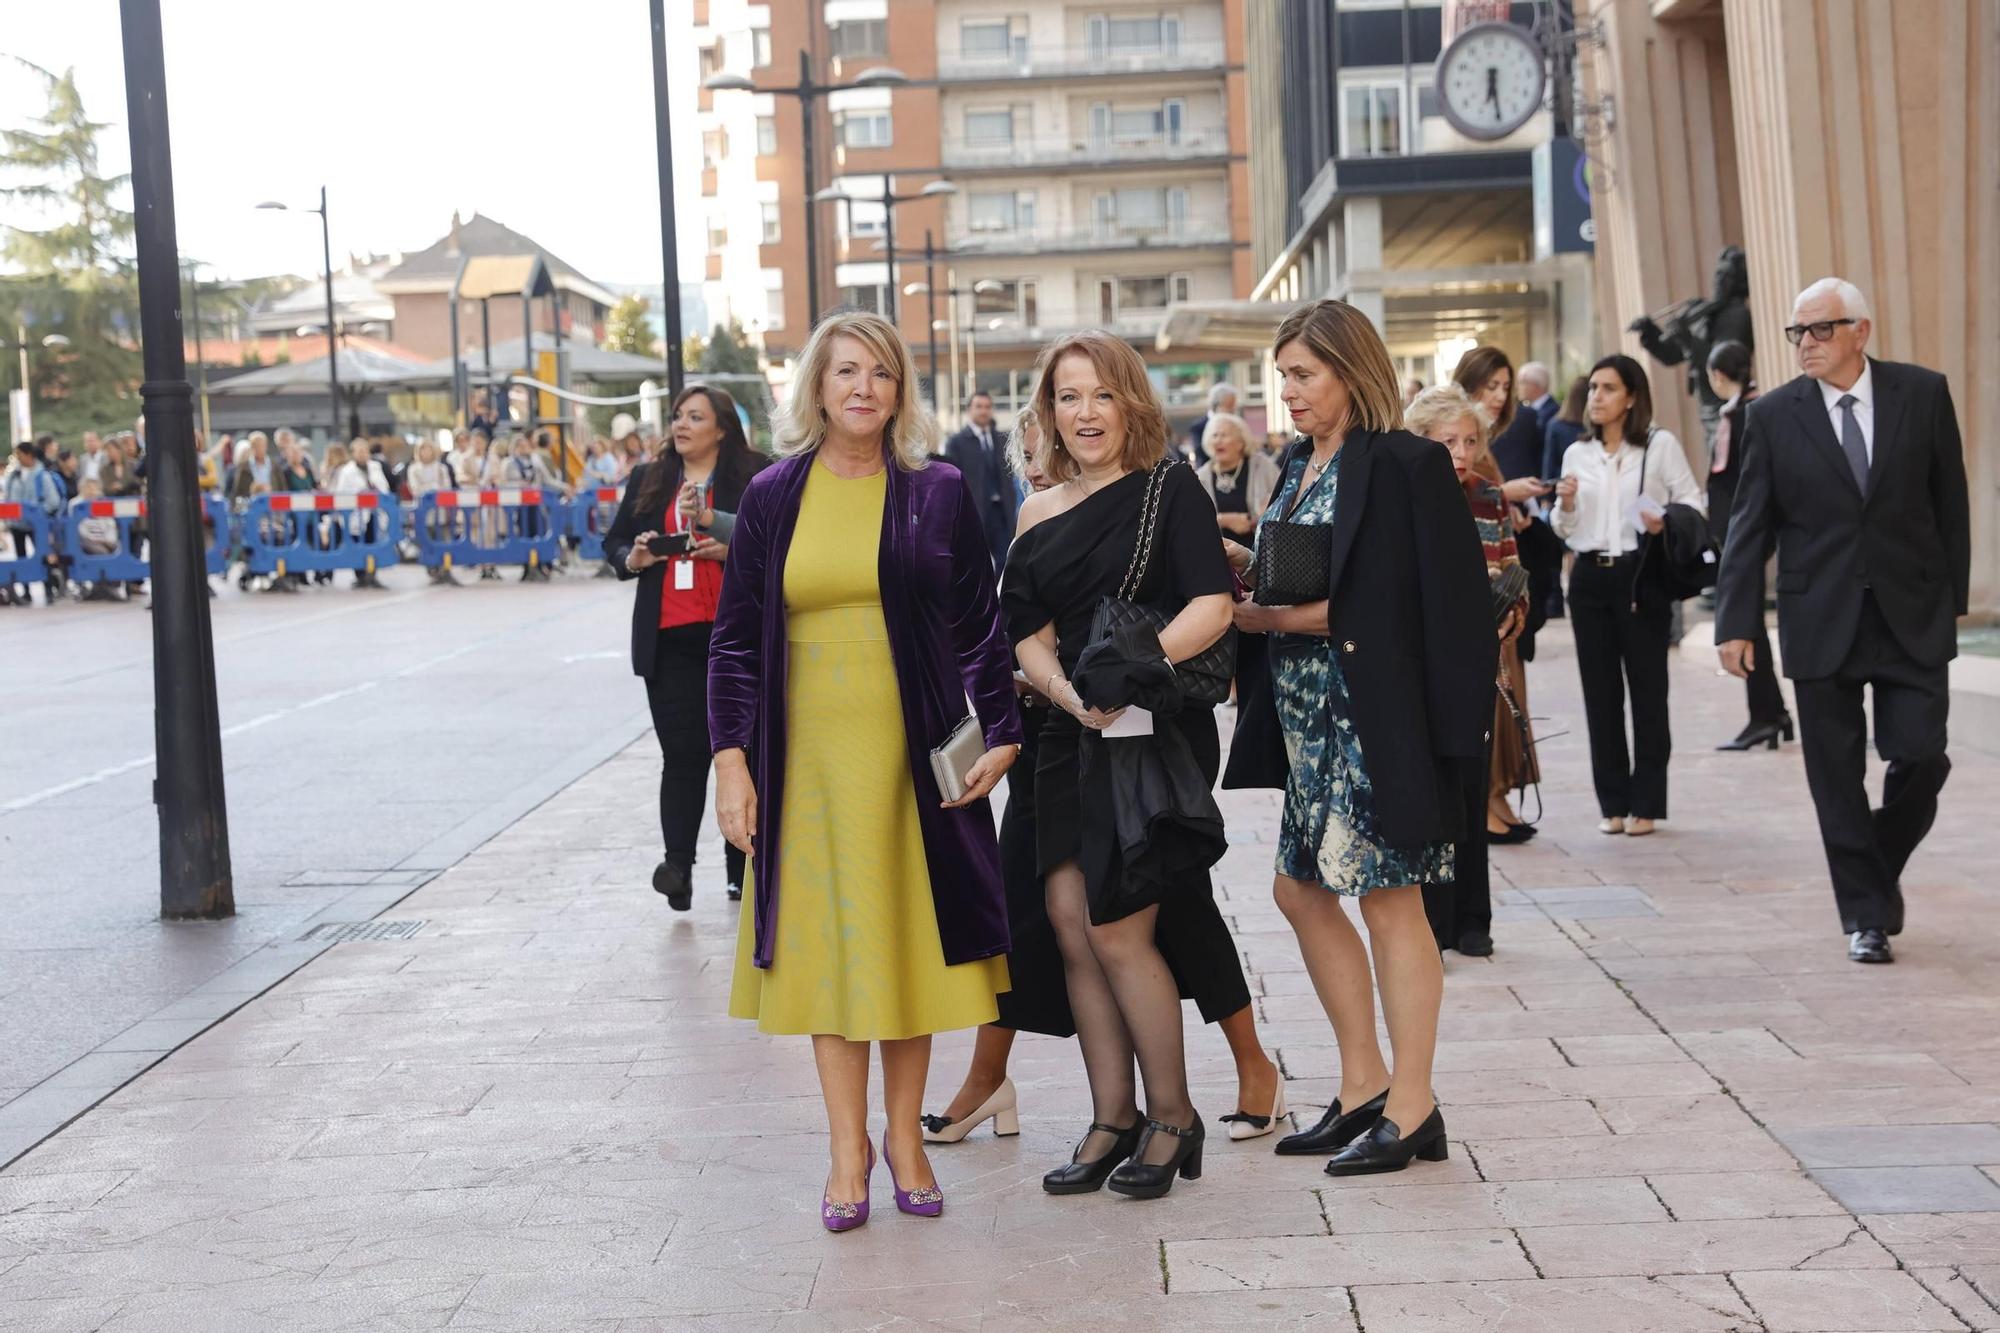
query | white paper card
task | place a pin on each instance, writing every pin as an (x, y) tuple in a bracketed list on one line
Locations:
[(1643, 507), (683, 575), (1131, 722)]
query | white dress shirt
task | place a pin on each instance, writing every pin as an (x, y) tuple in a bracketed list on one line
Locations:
[(1864, 407), (1607, 486)]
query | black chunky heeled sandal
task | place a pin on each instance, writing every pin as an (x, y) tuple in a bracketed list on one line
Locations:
[(1139, 1179)]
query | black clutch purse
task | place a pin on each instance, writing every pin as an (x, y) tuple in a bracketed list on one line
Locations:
[(1206, 677), (1294, 562), (1510, 585)]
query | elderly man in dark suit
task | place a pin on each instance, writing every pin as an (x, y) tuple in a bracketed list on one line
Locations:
[(1857, 471), (979, 451)]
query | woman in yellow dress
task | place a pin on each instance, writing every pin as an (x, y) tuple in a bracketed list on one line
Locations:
[(858, 615)]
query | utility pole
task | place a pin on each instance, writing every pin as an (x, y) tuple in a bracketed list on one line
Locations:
[(670, 265), (195, 876)]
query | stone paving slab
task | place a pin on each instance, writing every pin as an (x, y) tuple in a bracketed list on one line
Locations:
[(1675, 1106)]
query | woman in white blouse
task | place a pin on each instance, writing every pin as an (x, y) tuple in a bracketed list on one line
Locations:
[(1616, 483)]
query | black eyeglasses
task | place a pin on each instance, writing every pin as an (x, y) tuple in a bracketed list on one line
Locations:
[(1820, 330)]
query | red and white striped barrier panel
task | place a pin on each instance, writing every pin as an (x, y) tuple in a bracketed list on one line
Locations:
[(480, 499), (303, 501), (117, 509)]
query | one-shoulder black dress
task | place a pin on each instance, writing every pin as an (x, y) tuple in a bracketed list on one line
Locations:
[(1059, 570)]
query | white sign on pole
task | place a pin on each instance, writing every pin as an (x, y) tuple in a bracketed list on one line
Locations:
[(20, 418)]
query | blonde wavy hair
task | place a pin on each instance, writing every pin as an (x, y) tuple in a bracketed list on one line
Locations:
[(1147, 435), (1343, 338), (911, 431), (1446, 404)]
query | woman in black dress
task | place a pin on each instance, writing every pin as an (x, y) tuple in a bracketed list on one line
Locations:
[(1730, 378), (1104, 434)]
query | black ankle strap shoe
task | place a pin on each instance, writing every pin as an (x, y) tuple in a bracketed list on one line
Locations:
[(1139, 1179), (1088, 1177)]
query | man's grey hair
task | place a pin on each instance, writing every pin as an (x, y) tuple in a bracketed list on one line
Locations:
[(1223, 389), (1852, 303), (1535, 370)]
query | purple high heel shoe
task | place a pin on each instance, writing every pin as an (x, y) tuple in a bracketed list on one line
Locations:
[(928, 1202), (847, 1216)]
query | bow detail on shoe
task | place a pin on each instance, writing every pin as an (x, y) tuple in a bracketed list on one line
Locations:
[(936, 1124)]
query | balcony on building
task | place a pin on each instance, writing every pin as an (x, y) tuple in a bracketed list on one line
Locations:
[(984, 48), (1083, 151), (1151, 235)]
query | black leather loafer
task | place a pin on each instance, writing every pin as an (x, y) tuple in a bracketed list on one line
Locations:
[(1869, 946), (1384, 1148), (1334, 1130)]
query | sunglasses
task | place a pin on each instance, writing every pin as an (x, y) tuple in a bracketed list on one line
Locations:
[(1820, 331)]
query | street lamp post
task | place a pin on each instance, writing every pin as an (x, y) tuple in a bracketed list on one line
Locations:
[(195, 877), (200, 361), (932, 291), (937, 189), (670, 270), (332, 351), (809, 91)]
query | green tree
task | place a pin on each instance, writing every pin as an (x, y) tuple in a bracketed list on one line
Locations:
[(75, 273), (729, 352), (627, 328)]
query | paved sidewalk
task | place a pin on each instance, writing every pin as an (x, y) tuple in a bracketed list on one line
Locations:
[(1674, 1106)]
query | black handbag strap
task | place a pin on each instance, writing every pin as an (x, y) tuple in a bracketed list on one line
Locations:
[(1149, 522)]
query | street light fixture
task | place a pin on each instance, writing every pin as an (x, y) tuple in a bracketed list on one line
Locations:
[(809, 91), (326, 252), (889, 199)]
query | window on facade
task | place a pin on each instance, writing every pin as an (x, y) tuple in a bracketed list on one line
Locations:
[(714, 147), (1181, 286), (989, 129), (1118, 296), (718, 233), (1372, 119), (865, 217), (709, 60), (863, 129), (859, 37), (1009, 297), (774, 308), (870, 298), (1142, 211), (993, 39), (1152, 35), (760, 47), (771, 229), (992, 212), (767, 136)]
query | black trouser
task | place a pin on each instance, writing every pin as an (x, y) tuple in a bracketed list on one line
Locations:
[(677, 693), (1618, 645), (1767, 701), (1866, 850), (1465, 906)]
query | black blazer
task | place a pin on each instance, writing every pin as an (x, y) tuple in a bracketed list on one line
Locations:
[(625, 529), (1910, 540), (1411, 618), (985, 479), (1722, 485)]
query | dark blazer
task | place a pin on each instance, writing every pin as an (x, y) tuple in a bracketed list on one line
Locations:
[(1545, 412), (1410, 616), (1722, 485), (625, 529), (1557, 437), (945, 637), (1910, 540), (987, 479), (1518, 449)]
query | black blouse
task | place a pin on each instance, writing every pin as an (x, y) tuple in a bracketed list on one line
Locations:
[(1060, 569)]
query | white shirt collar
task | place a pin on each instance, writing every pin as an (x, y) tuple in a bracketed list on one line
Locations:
[(1536, 405), (1863, 391)]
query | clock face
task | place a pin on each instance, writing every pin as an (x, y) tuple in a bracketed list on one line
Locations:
[(1490, 80)]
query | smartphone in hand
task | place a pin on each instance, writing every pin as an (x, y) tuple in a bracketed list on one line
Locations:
[(669, 543)]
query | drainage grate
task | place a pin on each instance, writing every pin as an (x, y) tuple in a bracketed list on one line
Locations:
[(339, 932)]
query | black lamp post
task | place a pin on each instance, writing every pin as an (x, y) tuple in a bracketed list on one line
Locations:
[(808, 91), (332, 351), (195, 877), (937, 189), (670, 266)]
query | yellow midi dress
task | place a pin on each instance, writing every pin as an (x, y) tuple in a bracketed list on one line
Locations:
[(857, 951)]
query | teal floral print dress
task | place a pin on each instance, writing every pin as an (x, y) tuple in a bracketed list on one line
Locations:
[(1328, 830)]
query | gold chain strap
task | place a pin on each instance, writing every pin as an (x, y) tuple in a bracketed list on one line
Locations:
[(1142, 550)]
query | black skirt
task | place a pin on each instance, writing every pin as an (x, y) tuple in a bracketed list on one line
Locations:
[(1190, 931), (1039, 1001)]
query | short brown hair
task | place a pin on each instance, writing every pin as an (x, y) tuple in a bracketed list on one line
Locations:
[(1343, 338), (1474, 369), (1147, 434)]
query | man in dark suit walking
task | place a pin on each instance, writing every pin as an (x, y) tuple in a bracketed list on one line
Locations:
[(1856, 469), (1536, 400), (978, 452)]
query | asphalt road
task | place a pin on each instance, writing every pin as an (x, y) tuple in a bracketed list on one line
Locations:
[(358, 729)]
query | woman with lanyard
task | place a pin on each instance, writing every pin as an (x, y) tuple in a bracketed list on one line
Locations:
[(1616, 483), (672, 534)]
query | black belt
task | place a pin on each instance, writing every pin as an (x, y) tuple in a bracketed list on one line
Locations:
[(1604, 559)]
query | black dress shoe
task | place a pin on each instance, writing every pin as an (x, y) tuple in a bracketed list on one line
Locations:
[(1139, 1179), (1869, 946), (735, 893), (677, 883), (1516, 833), (1476, 944), (1334, 1130), (1088, 1177), (1384, 1148), (1760, 733)]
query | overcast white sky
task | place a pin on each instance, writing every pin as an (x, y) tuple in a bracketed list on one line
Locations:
[(537, 114)]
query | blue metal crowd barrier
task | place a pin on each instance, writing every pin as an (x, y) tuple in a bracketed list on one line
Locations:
[(505, 526), (310, 532), (590, 515), (124, 564), (18, 569)]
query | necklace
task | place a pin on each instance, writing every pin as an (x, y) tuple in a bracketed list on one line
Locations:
[(1315, 466), (1227, 485)]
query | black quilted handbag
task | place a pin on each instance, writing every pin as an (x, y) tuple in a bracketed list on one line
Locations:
[(1205, 678), (1294, 563)]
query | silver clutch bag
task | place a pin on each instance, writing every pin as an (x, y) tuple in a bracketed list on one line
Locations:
[(952, 761)]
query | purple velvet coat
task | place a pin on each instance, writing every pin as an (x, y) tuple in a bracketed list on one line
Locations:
[(946, 640)]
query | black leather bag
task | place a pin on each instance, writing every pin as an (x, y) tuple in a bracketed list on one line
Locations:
[(1510, 585), (1680, 560), (1205, 678), (1294, 563)]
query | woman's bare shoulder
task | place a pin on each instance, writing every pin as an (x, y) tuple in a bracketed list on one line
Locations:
[(1039, 507)]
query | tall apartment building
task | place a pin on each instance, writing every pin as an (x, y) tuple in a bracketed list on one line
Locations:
[(1098, 152)]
